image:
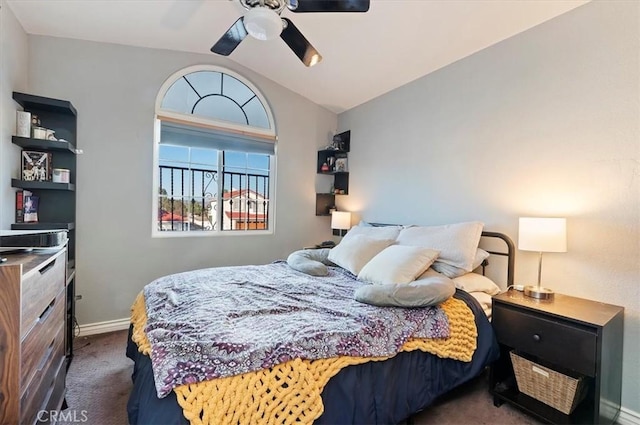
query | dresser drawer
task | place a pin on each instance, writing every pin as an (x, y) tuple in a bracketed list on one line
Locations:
[(42, 338), (39, 289), (50, 370), (547, 338)]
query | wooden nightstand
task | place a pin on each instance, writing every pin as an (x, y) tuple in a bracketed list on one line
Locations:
[(582, 336)]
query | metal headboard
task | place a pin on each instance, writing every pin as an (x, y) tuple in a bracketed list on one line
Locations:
[(509, 252)]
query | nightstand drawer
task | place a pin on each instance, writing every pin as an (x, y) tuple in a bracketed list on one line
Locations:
[(547, 338)]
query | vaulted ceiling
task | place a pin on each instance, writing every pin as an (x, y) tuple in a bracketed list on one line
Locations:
[(364, 54)]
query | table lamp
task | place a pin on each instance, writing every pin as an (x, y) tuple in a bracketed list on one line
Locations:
[(340, 222), (541, 235)]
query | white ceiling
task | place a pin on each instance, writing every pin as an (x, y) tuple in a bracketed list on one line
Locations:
[(364, 54)]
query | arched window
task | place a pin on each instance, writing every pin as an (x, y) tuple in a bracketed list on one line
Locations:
[(214, 149)]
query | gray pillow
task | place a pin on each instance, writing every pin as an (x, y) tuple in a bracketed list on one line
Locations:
[(430, 289), (310, 261)]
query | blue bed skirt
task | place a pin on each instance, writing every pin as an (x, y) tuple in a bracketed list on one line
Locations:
[(385, 392)]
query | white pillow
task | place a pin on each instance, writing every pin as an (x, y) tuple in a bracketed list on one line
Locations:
[(474, 282), (353, 253), (397, 264), (374, 232), (453, 271), (457, 243)]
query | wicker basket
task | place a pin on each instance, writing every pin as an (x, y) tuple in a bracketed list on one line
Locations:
[(551, 387)]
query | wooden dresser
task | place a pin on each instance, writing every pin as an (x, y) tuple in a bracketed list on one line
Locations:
[(32, 333)]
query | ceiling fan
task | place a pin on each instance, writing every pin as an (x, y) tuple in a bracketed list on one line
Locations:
[(263, 22)]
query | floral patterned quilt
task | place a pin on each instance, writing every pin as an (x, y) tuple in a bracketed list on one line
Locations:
[(225, 321)]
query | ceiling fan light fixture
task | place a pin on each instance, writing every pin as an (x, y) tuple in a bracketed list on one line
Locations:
[(263, 23)]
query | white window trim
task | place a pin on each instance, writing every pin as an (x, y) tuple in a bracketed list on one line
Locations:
[(269, 133)]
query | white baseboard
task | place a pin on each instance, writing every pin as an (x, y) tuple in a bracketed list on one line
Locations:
[(104, 327), (628, 417)]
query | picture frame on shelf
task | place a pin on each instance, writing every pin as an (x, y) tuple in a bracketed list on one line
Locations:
[(36, 166), (341, 165), (341, 141)]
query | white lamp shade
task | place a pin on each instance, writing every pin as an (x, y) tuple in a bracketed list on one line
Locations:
[(262, 23), (341, 220), (542, 234)]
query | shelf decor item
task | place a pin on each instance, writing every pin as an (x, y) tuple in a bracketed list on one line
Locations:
[(341, 165), (40, 133), (560, 391), (23, 124), (342, 141), (36, 166), (61, 175), (19, 206), (31, 209), (541, 235)]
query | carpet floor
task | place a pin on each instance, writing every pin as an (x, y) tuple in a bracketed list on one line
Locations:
[(99, 382)]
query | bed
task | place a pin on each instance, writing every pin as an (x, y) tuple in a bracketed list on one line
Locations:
[(369, 389)]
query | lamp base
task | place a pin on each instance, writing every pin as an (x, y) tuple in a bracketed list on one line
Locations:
[(538, 292)]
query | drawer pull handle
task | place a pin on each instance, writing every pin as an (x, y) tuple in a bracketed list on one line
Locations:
[(536, 337), (47, 311), (46, 356), (47, 267)]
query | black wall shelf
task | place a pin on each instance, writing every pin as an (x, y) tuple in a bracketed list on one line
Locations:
[(29, 185), (42, 226), (340, 149), (32, 102), (57, 204), (30, 143)]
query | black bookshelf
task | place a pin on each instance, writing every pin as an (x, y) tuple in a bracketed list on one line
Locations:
[(57, 201)]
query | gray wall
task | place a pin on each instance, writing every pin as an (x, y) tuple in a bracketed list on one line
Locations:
[(114, 89), (546, 123), (13, 77)]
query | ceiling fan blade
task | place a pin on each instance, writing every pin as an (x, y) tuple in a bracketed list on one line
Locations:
[(300, 45), (231, 39), (305, 6)]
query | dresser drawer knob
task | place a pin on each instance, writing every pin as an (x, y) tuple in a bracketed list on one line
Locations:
[(536, 337)]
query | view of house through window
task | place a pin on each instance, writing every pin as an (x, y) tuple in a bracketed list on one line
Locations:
[(214, 155)]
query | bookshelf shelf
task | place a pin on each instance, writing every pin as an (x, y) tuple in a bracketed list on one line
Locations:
[(31, 185), (43, 226), (30, 143)]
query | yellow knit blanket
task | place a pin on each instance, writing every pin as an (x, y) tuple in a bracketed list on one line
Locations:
[(291, 392)]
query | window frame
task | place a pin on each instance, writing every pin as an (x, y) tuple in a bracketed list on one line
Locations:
[(199, 121)]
